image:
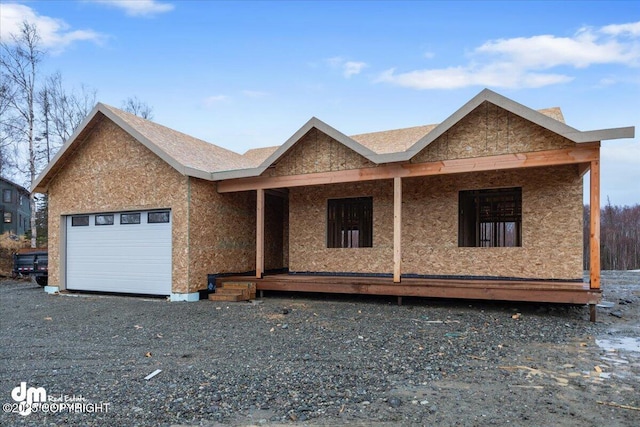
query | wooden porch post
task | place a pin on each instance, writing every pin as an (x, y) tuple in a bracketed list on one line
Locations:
[(594, 226), (397, 229), (259, 233), (594, 232)]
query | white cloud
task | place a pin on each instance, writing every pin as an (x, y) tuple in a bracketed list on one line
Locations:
[(349, 68), (55, 34), (527, 61), (459, 77), (214, 99), (632, 29), (580, 51), (138, 7)]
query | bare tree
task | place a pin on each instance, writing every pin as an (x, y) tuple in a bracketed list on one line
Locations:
[(62, 111), (619, 237), (140, 108), (7, 149), (20, 62)]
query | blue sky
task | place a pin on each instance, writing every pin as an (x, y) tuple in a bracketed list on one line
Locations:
[(248, 74)]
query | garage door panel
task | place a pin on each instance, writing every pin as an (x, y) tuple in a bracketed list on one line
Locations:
[(131, 258)]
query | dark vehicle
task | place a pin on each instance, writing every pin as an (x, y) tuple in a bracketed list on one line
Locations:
[(33, 263)]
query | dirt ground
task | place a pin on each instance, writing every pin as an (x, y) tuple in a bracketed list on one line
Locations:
[(323, 360)]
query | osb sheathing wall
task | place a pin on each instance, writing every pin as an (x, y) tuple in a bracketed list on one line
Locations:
[(111, 171), (490, 130), (308, 230), (222, 232), (317, 152), (551, 227)]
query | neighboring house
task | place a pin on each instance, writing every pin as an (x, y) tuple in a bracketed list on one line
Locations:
[(15, 210), (487, 204)]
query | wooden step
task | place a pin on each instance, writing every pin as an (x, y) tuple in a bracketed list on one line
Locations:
[(233, 297), (226, 291), (250, 287)]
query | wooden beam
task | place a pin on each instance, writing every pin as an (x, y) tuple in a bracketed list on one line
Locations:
[(583, 168), (283, 193), (397, 229), (582, 153), (259, 233), (508, 290), (594, 226)]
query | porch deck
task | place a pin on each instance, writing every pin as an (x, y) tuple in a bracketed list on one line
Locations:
[(566, 292)]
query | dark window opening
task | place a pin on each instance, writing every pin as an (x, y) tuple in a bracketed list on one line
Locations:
[(7, 195), (157, 217), (490, 218), (350, 223), (80, 221), (130, 218), (104, 219)]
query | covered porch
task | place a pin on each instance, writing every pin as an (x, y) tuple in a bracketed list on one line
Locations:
[(397, 281)]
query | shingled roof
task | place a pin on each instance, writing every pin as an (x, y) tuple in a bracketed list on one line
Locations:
[(194, 157), (188, 151)]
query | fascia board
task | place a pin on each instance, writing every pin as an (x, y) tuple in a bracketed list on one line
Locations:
[(237, 173), (604, 134), (196, 173)]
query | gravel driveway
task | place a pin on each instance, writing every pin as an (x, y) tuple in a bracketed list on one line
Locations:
[(295, 359)]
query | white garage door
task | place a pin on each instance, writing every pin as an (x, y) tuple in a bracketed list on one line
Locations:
[(120, 252)]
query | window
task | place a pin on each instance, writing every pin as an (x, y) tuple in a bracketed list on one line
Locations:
[(130, 218), (7, 195), (80, 221), (350, 223), (490, 218), (104, 219), (8, 218), (157, 217)]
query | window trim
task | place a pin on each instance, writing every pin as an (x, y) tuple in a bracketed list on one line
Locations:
[(346, 216), (490, 218)]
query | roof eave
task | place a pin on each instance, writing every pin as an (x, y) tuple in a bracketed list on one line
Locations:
[(602, 134), (236, 173)]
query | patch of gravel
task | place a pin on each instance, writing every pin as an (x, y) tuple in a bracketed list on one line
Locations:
[(296, 359)]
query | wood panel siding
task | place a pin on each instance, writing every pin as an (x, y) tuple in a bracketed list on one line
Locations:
[(551, 227), (490, 130), (110, 171), (308, 249), (221, 232), (317, 152)]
